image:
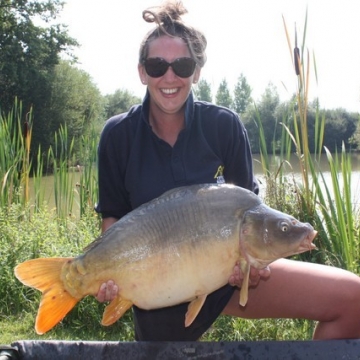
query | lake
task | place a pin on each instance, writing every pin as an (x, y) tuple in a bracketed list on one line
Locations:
[(294, 169), (48, 181)]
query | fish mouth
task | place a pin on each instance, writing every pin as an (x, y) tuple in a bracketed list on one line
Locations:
[(307, 243)]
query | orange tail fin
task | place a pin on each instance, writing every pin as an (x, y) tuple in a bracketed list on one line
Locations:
[(44, 275)]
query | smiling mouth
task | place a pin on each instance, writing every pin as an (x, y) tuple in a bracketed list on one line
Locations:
[(169, 91)]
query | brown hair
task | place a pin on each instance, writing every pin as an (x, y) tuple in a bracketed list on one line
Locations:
[(167, 17)]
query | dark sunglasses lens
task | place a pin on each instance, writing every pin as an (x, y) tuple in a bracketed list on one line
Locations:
[(184, 67), (156, 67)]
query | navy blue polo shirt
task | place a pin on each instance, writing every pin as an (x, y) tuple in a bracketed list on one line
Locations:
[(135, 166)]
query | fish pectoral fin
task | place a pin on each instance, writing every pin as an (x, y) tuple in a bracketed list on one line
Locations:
[(245, 268), (115, 310), (194, 309), (45, 275)]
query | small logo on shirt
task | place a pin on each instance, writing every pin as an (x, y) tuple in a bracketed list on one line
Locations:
[(219, 176)]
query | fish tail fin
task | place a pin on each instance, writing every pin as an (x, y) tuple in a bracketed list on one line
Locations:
[(44, 275)]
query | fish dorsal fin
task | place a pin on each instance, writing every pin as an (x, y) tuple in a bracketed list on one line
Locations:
[(115, 310), (245, 268), (194, 309)]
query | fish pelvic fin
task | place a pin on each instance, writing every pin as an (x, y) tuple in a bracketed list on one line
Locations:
[(115, 310), (245, 268), (45, 276), (194, 309)]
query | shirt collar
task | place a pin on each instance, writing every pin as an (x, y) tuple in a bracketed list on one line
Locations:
[(189, 109)]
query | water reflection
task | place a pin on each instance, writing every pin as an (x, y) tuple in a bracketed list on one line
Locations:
[(292, 168)]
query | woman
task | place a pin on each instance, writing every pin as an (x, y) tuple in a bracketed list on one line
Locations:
[(170, 140)]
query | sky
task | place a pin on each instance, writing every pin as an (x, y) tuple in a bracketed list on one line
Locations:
[(244, 37)]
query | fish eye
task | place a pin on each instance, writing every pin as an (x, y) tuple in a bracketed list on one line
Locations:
[(284, 227)]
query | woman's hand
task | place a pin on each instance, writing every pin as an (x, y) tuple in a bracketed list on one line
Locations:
[(237, 276), (107, 291)]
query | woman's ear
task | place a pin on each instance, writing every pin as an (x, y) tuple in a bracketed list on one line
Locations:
[(196, 75), (142, 74)]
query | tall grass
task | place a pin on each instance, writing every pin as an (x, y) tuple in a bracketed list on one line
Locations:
[(16, 168), (326, 205), (87, 188), (14, 155), (61, 156)]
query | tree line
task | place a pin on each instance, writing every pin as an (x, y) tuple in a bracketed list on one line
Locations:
[(38, 67), (340, 126)]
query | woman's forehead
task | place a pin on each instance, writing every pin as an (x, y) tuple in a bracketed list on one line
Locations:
[(168, 47)]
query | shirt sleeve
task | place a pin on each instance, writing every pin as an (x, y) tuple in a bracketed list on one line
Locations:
[(113, 154)]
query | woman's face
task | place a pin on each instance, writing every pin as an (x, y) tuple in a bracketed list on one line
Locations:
[(168, 92)]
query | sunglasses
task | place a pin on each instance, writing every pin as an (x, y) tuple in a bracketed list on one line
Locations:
[(183, 67)]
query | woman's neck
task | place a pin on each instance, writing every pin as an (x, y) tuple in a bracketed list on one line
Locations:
[(167, 126)]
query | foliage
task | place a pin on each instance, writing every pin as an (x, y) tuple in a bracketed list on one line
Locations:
[(202, 91), (119, 102), (228, 328), (74, 101), (265, 110), (339, 128), (242, 95), (223, 96), (29, 52), (16, 167), (326, 205), (30, 69), (14, 156), (355, 138)]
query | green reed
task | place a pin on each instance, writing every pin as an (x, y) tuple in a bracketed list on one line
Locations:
[(87, 188), (17, 171), (326, 205), (60, 156), (15, 139)]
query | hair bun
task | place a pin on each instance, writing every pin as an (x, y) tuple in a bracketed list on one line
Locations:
[(166, 14)]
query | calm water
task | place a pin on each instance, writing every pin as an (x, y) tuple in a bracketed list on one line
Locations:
[(293, 168), (48, 181)]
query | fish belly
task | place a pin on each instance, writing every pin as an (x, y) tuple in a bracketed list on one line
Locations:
[(172, 277)]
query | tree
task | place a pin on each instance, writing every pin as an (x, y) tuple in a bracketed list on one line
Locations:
[(119, 102), (203, 91), (340, 126), (265, 111), (242, 95), (28, 53), (74, 100), (223, 97), (355, 139)]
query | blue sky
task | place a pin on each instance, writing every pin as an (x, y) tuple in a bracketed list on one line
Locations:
[(244, 36)]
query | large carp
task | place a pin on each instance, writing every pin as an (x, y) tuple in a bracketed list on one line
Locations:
[(177, 248)]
